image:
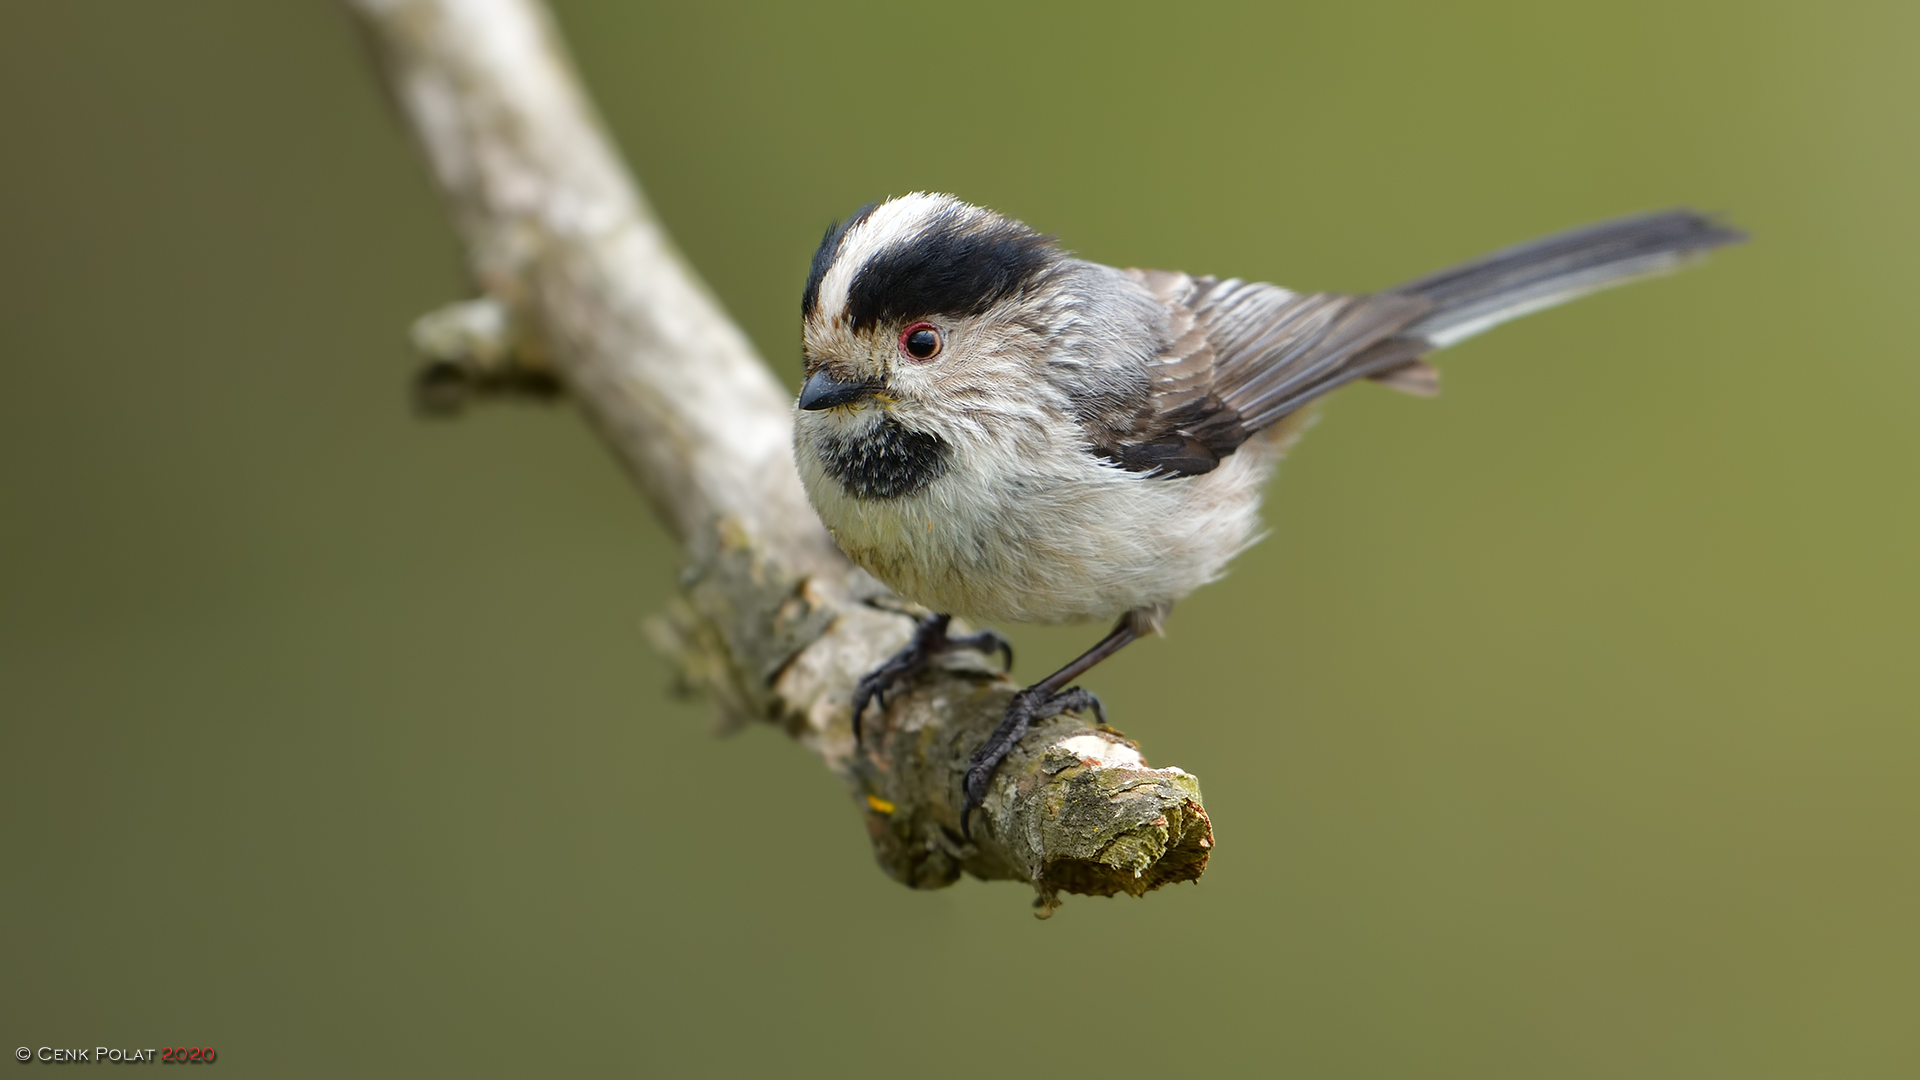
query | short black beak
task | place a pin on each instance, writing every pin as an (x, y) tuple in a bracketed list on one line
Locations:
[(823, 391)]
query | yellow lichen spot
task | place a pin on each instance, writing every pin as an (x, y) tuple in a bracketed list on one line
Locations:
[(879, 804)]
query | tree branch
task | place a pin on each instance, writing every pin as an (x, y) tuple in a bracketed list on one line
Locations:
[(579, 282)]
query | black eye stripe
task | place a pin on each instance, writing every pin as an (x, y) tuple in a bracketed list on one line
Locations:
[(962, 263)]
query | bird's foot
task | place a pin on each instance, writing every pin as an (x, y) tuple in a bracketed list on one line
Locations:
[(1029, 706), (930, 639)]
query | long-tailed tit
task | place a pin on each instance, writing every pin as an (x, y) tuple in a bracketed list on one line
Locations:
[(1000, 431)]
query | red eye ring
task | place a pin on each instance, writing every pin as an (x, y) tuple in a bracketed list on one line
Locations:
[(921, 342)]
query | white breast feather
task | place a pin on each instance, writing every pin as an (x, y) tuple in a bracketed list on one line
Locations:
[(1027, 526)]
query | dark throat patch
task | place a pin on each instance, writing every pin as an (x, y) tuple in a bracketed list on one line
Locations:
[(884, 462)]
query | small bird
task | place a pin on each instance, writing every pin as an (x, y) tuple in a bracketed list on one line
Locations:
[(1002, 432)]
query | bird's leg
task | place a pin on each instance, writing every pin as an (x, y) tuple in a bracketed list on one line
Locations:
[(1041, 701), (930, 639)]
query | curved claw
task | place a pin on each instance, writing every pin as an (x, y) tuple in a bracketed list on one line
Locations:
[(1093, 700), (872, 688), (980, 771), (1026, 707), (929, 639), (986, 641)]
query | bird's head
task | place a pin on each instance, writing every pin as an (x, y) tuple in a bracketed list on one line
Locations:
[(918, 313)]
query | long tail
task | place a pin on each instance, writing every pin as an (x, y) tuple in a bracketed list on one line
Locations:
[(1519, 280)]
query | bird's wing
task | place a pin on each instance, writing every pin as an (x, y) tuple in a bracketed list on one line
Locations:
[(1241, 355)]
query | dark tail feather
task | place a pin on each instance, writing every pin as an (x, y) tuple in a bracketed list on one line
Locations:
[(1507, 284)]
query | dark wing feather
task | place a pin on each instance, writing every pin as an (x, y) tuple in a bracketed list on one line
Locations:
[(1241, 355)]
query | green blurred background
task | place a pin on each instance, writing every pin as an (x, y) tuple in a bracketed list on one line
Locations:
[(1564, 726)]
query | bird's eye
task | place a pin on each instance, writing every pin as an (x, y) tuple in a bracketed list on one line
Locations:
[(920, 342)]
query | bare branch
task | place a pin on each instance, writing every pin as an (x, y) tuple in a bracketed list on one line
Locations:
[(579, 281)]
